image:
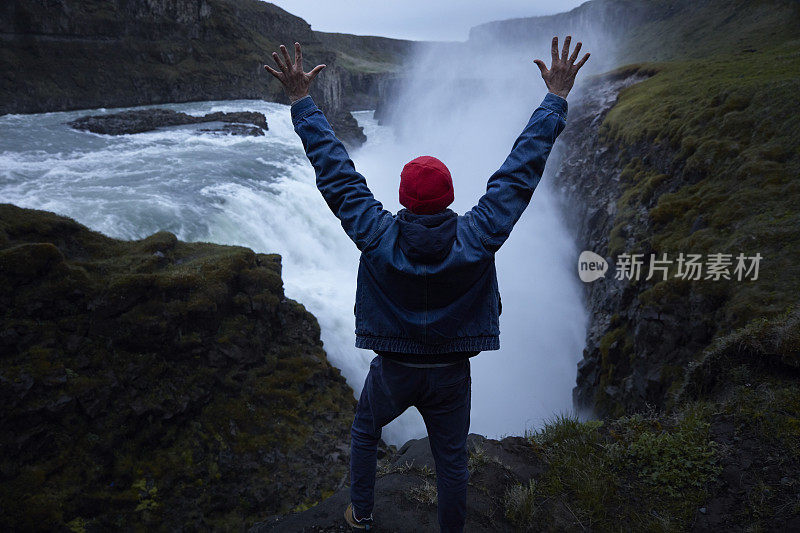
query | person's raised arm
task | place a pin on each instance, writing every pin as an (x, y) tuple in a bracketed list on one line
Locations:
[(344, 190), (510, 188)]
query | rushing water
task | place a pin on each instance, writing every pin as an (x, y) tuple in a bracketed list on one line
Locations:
[(260, 192)]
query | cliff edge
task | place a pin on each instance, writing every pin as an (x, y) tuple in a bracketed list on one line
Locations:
[(156, 382)]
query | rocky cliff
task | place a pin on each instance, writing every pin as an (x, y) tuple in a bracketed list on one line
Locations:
[(664, 158), (156, 382), (600, 24), (68, 54)]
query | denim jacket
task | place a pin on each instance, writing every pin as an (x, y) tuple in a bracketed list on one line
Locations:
[(427, 284)]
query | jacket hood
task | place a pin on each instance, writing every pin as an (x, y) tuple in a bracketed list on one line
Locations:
[(427, 238)]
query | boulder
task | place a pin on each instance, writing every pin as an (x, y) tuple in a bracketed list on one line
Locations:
[(142, 120)]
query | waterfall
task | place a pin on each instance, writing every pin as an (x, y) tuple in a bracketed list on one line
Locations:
[(462, 105)]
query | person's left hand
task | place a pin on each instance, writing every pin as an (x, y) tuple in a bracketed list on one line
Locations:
[(295, 81)]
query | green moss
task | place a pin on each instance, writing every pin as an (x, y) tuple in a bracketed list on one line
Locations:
[(764, 346), (77, 525), (675, 463), (772, 410), (599, 475), (609, 339), (616, 353), (732, 130)]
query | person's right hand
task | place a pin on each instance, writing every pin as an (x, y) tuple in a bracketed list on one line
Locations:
[(295, 82), (561, 75)]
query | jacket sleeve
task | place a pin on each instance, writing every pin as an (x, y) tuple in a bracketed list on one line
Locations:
[(510, 188), (344, 190)]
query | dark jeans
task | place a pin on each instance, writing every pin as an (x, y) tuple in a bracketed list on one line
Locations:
[(442, 395)]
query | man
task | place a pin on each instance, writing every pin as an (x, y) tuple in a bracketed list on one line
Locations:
[(427, 297)]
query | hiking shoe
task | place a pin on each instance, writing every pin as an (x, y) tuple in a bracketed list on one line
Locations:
[(360, 523)]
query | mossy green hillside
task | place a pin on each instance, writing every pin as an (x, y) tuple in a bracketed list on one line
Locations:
[(680, 29), (731, 126), (709, 157), (156, 382), (367, 54)]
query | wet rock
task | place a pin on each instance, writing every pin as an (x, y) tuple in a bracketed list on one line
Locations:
[(347, 129), (236, 129), (142, 120)]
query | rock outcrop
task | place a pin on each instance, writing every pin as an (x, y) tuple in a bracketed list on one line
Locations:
[(623, 368), (156, 382), (406, 490), (141, 120)]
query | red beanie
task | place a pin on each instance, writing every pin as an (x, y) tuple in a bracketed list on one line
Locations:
[(426, 186)]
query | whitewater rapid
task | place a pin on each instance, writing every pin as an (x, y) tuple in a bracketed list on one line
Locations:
[(260, 192)]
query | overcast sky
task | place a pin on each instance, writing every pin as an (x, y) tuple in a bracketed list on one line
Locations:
[(430, 20)]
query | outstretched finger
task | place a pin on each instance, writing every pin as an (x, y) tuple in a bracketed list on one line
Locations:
[(315, 71), (580, 63), (565, 50), (273, 72), (554, 49), (278, 62), (541, 65), (574, 55), (298, 56), (286, 57)]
